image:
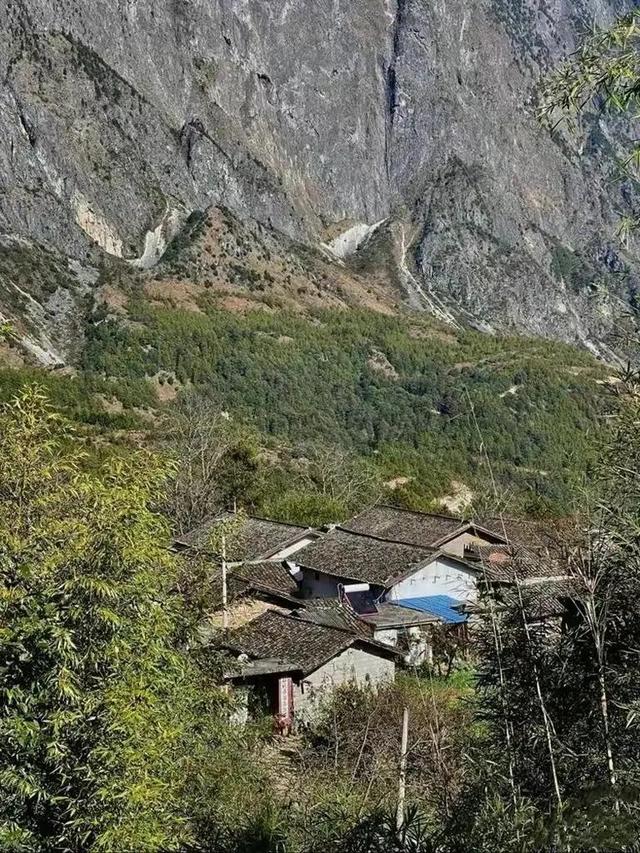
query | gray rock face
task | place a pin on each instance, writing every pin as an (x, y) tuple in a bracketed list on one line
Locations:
[(118, 118)]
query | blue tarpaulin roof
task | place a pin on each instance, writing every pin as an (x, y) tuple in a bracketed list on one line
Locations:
[(441, 606)]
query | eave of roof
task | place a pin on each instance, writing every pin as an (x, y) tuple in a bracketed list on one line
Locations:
[(404, 617), (260, 667), (319, 659), (466, 528), (394, 579)]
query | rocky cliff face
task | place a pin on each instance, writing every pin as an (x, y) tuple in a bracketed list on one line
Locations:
[(120, 118)]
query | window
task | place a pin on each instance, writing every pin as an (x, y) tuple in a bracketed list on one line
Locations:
[(316, 575)]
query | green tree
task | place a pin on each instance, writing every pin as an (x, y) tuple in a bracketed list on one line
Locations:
[(602, 76), (561, 705), (98, 703)]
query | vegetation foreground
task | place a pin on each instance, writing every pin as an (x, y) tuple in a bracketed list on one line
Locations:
[(116, 732)]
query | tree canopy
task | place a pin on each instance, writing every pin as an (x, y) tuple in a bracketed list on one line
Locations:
[(97, 694)]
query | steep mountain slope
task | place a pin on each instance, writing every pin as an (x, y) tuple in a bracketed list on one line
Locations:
[(120, 120)]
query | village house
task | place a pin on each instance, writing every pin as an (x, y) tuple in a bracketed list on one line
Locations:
[(401, 591), (503, 548), (284, 665), (427, 573), (549, 606), (446, 533), (404, 628), (504, 564), (392, 571), (252, 589), (256, 539)]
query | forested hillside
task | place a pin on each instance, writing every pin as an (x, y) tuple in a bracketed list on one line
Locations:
[(401, 391), (427, 406)]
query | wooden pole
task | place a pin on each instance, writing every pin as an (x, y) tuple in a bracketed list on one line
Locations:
[(402, 781), (225, 609)]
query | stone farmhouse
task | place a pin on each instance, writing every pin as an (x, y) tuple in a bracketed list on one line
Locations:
[(286, 663)]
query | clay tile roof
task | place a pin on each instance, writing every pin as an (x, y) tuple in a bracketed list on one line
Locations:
[(501, 563), (300, 642), (392, 615), (352, 556), (236, 589), (333, 613), (526, 532), (258, 537), (270, 576), (545, 599), (401, 525)]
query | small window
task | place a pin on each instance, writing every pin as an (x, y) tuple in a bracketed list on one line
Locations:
[(316, 575)]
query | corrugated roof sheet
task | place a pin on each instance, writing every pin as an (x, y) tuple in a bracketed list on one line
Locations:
[(420, 529), (257, 537), (357, 557), (441, 606)]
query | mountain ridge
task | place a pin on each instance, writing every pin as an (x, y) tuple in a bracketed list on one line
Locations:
[(120, 123)]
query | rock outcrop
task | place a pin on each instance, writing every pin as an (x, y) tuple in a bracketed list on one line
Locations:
[(120, 119)]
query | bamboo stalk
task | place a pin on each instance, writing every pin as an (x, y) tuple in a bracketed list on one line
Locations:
[(402, 779)]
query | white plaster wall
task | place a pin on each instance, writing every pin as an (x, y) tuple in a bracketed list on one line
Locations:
[(418, 640), (440, 577), (388, 636), (353, 666), (317, 585), (292, 549)]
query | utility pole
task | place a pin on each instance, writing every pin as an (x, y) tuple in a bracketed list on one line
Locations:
[(225, 609), (402, 781)]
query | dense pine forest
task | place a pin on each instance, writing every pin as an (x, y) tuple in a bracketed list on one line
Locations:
[(404, 398)]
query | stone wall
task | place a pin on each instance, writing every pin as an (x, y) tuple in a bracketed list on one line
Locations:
[(354, 665)]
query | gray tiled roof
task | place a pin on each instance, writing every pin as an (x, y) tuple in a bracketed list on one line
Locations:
[(545, 599), (401, 525), (502, 563), (391, 615), (332, 612), (304, 644), (268, 575), (525, 532), (353, 556), (270, 579), (257, 537)]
